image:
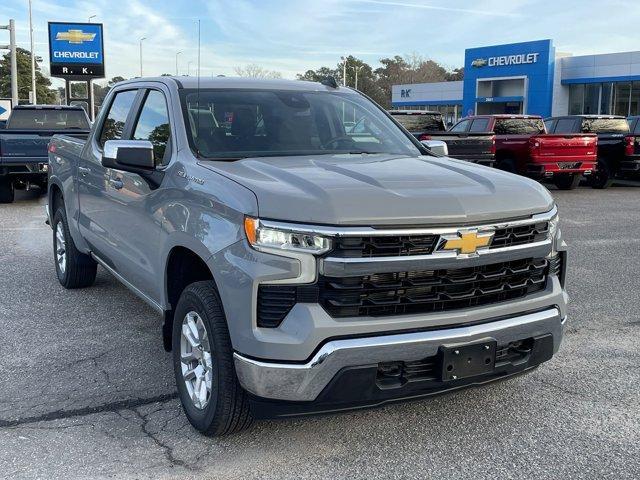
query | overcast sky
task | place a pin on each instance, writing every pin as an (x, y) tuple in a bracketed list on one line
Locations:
[(292, 36)]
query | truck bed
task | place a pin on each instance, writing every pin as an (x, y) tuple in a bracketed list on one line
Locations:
[(473, 147)]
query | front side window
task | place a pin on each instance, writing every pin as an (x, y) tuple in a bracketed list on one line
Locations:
[(228, 124), (461, 126), (565, 125), (153, 125), (518, 126), (117, 116)]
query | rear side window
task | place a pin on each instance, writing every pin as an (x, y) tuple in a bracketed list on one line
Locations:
[(518, 126), (479, 125), (117, 116), (637, 129), (565, 125), (153, 125), (421, 122), (461, 126), (605, 125)]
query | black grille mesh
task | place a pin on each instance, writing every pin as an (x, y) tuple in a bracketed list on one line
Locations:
[(432, 290)]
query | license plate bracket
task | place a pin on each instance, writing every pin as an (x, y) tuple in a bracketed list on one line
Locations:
[(467, 360)]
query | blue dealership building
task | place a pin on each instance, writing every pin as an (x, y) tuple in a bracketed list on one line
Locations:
[(531, 78)]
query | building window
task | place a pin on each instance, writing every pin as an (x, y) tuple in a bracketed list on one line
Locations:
[(591, 98), (634, 107), (576, 98), (621, 98), (605, 99)]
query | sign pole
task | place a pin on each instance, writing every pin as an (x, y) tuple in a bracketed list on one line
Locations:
[(14, 61), (33, 59), (92, 100)]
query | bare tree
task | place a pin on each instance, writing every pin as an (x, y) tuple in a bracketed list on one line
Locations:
[(256, 71)]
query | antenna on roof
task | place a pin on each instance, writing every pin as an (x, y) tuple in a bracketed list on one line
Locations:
[(329, 82), (198, 91)]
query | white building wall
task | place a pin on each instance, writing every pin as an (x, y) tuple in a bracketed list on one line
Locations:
[(560, 97), (425, 92)]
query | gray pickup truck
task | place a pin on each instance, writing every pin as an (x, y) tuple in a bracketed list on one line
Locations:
[(24, 141), (299, 268)]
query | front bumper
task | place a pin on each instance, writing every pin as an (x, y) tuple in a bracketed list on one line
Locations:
[(304, 382)]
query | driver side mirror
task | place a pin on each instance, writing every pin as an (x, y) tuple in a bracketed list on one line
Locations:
[(129, 155), (436, 146)]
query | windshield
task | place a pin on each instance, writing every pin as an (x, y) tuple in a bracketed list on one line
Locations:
[(37, 119), (231, 124), (413, 122), (518, 126), (605, 125)]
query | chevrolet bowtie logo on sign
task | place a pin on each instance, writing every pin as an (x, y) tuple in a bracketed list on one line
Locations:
[(466, 242), (75, 36), (479, 62)]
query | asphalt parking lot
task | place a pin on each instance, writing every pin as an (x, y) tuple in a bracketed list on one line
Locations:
[(86, 389)]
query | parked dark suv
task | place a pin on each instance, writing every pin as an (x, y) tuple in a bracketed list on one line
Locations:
[(614, 144)]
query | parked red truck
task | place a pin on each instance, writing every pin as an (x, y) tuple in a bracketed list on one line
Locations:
[(524, 147)]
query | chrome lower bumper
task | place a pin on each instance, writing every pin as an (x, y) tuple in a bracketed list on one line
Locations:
[(304, 382)]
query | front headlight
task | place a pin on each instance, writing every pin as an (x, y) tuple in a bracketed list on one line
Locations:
[(553, 232), (284, 237)]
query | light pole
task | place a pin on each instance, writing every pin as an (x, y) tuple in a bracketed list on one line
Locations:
[(344, 71), (91, 16), (143, 38), (33, 60), (177, 53), (189, 68), (357, 69)]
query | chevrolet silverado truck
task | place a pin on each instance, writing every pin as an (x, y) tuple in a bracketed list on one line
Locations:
[(426, 126), (615, 144), (24, 141), (298, 270), (524, 147)]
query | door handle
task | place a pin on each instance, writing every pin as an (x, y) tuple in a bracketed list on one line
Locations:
[(83, 171), (116, 183)]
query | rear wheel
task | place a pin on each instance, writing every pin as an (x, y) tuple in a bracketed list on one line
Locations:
[(567, 181), (74, 269), (603, 176), (7, 191), (211, 395)]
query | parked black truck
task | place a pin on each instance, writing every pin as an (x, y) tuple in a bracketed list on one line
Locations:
[(25, 139), (616, 144), (473, 146)]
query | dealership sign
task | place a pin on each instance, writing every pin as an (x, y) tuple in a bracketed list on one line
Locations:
[(506, 60), (76, 50)]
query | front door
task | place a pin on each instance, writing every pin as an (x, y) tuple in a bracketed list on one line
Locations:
[(93, 178), (133, 201)]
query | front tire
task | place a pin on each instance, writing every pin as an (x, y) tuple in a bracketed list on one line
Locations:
[(7, 190), (211, 396), (567, 181), (74, 269)]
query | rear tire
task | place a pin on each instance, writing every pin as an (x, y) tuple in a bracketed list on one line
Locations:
[(7, 190), (74, 269), (567, 181), (222, 407), (603, 176)]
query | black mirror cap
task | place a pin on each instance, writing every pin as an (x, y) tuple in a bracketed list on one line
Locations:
[(130, 155)]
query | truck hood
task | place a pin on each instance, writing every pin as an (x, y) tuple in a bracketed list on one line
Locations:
[(383, 189)]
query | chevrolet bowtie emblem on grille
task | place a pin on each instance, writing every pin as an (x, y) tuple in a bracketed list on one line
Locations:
[(75, 36), (467, 242)]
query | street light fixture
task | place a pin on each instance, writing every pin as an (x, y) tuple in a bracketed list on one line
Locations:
[(357, 69), (143, 38), (91, 16), (177, 53)]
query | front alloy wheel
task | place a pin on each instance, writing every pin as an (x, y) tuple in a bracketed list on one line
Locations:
[(195, 360), (61, 249)]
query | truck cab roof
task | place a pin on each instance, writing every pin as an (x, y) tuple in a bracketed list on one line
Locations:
[(47, 107), (413, 112)]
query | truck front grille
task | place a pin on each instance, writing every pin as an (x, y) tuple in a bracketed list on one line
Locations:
[(431, 290), (405, 245)]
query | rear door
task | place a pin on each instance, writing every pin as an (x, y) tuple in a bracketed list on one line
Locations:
[(93, 178), (134, 229)]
